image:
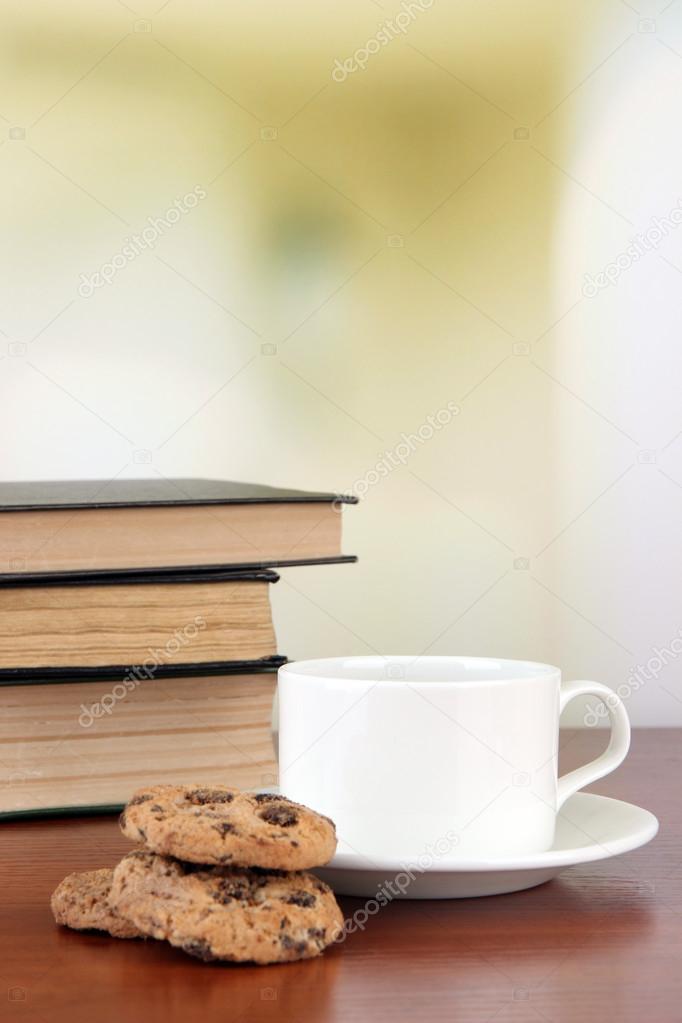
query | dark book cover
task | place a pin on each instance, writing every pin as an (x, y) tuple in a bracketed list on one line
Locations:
[(143, 576), (49, 494), (116, 672), (154, 574)]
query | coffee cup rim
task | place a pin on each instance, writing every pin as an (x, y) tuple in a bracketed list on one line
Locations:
[(387, 670)]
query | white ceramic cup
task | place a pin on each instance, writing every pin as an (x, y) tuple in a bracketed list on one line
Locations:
[(413, 754)]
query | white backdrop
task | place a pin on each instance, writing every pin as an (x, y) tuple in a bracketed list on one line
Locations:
[(368, 251)]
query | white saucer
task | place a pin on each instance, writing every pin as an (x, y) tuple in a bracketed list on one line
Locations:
[(589, 828)]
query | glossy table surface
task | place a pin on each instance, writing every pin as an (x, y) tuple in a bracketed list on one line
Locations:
[(602, 942)]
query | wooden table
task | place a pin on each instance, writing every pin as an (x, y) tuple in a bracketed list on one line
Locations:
[(602, 943)]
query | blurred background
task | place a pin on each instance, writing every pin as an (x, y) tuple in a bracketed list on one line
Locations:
[(273, 242)]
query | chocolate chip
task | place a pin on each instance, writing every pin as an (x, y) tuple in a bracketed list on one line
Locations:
[(199, 797), (157, 808), (301, 898), (142, 833), (230, 889), (222, 897), (225, 828), (270, 797), (317, 933), (136, 800), (281, 815), (122, 820), (288, 942), (199, 948)]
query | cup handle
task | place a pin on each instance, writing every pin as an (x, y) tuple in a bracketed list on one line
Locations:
[(618, 746)]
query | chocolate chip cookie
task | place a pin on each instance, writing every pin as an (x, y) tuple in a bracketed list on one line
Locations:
[(81, 902), (220, 825), (231, 913)]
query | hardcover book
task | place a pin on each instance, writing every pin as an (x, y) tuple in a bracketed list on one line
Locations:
[(88, 745), (83, 527), (185, 623)]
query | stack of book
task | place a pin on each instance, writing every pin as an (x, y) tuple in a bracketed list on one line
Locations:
[(136, 634)]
